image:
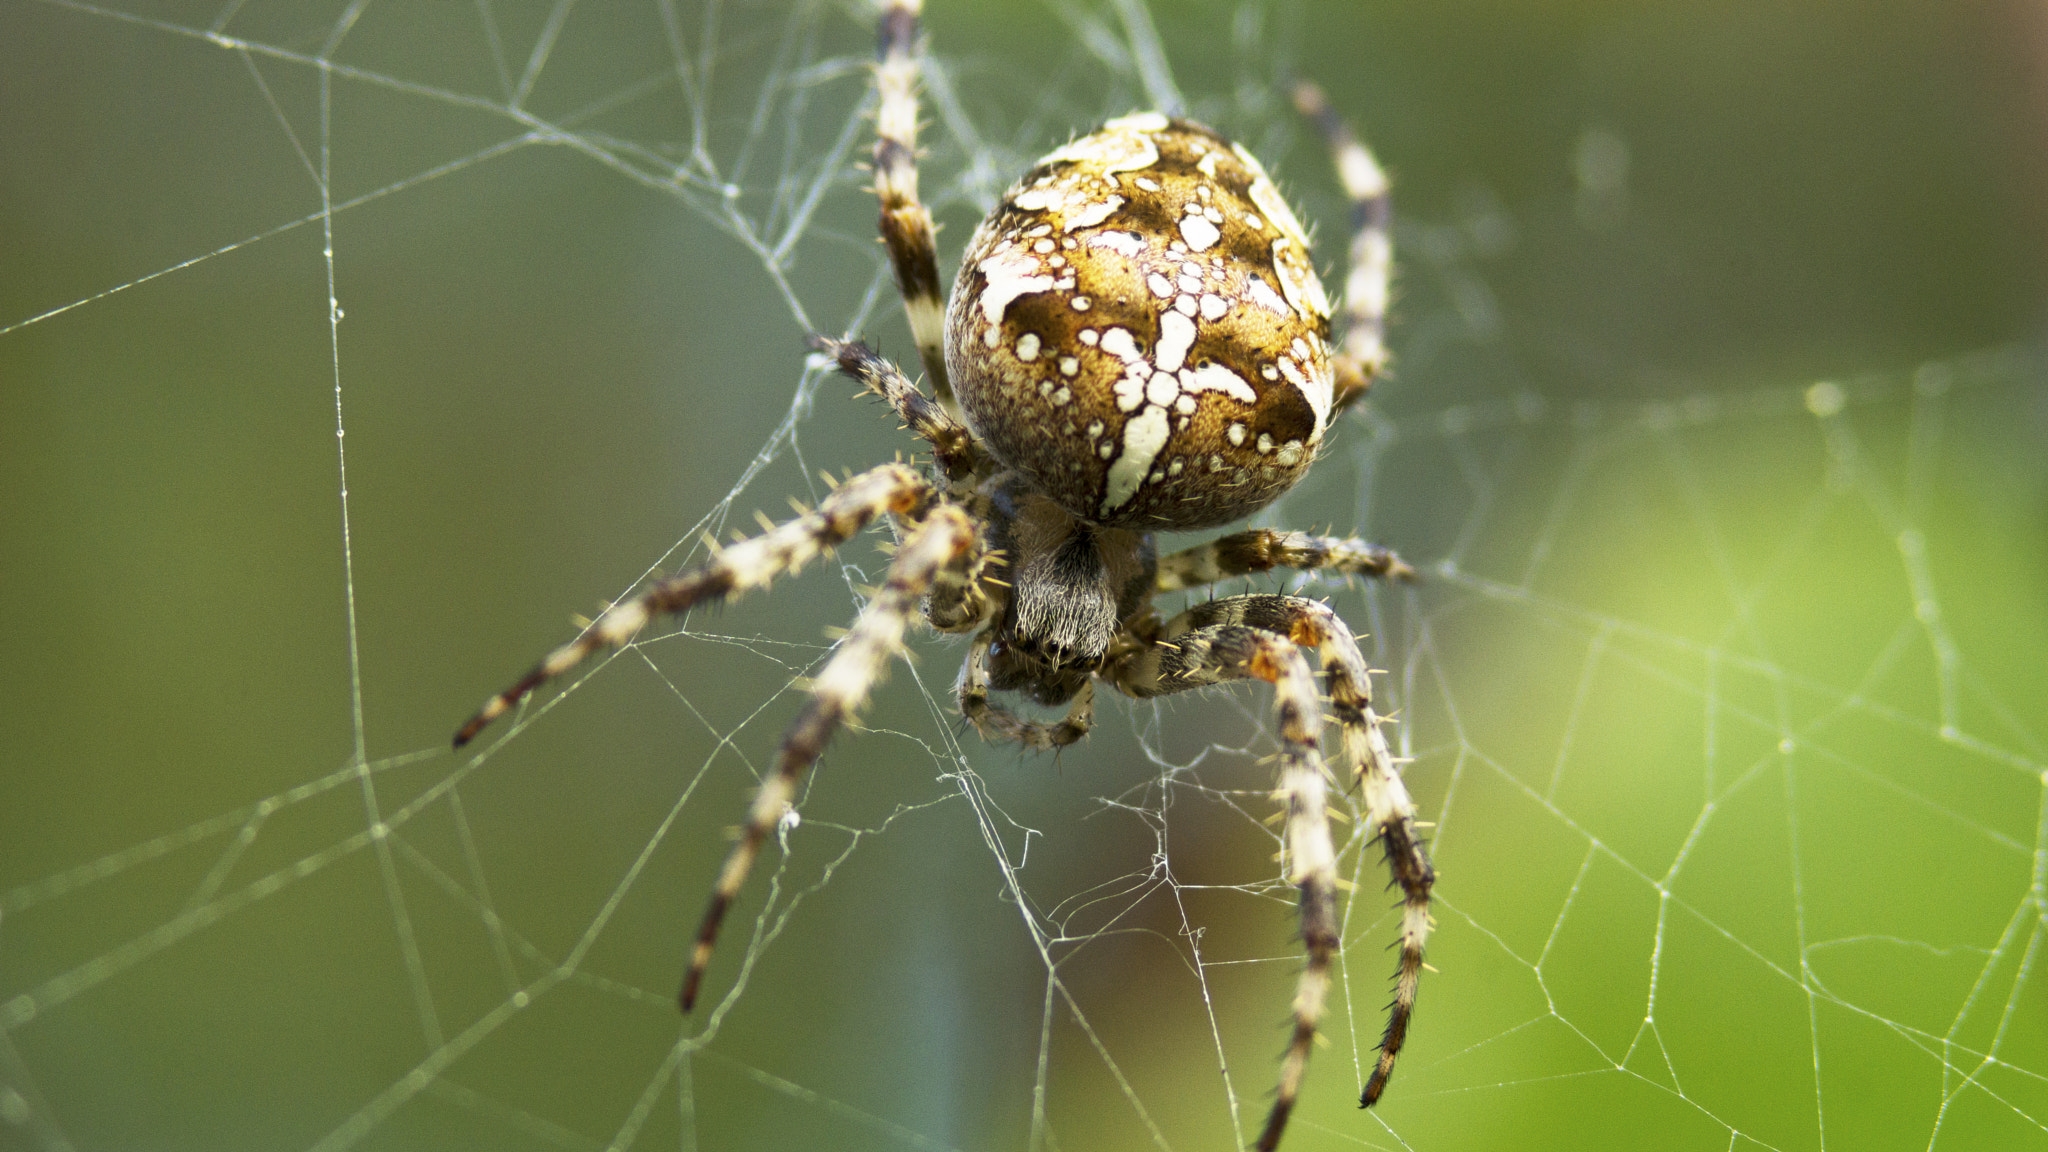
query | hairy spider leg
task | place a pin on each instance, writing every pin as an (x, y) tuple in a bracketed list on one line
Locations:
[(944, 542), (959, 457), (1229, 652), (1389, 810), (906, 224), (737, 568), (1371, 264), (955, 605), (1263, 549)]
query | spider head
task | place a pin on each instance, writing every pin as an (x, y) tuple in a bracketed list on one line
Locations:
[(1138, 329)]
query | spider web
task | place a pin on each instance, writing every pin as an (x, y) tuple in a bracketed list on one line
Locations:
[(351, 346)]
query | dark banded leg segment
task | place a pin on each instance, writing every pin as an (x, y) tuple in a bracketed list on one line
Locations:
[(943, 543), (1228, 652), (906, 224), (953, 446), (1263, 549), (737, 568), (997, 723), (1367, 283)]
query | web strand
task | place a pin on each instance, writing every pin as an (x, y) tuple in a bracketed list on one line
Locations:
[(1661, 796)]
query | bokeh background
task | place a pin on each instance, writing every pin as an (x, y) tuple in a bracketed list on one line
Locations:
[(1716, 428)]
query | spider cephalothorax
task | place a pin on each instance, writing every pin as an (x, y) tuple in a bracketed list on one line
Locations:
[(1137, 341), (1071, 583)]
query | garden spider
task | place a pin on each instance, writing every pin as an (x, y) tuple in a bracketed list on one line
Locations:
[(1137, 342)]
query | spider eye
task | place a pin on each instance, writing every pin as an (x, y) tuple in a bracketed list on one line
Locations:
[(1138, 328)]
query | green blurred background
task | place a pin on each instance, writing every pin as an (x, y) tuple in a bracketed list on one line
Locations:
[(1717, 427)]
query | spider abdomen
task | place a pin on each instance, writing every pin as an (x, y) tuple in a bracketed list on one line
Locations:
[(1138, 328)]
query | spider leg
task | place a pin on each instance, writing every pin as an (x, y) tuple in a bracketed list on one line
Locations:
[(942, 543), (1364, 356), (738, 568), (1263, 549), (906, 224), (1313, 624), (959, 600), (996, 723), (959, 456), (1215, 653)]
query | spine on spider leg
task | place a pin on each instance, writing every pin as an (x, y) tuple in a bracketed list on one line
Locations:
[(943, 542), (746, 565), (906, 225)]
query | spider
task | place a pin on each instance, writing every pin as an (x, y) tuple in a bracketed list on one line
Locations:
[(1136, 342)]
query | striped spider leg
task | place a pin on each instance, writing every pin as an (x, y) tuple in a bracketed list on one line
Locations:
[(1367, 759), (740, 567), (1263, 549), (1368, 282), (938, 548), (906, 224), (1192, 652), (932, 552)]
